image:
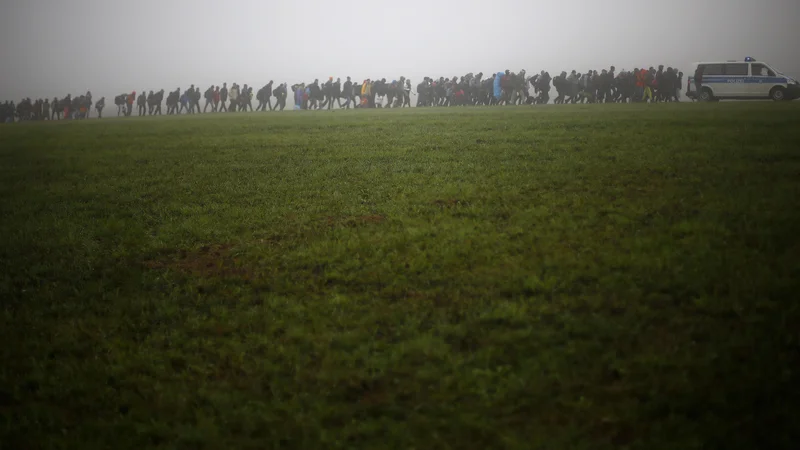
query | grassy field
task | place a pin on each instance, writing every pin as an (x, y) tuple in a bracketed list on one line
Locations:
[(577, 277)]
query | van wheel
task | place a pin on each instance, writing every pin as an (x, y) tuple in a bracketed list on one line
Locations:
[(706, 95), (778, 94)]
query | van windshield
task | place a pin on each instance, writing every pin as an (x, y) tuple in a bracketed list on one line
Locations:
[(760, 70)]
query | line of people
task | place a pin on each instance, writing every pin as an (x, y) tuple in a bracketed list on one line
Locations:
[(69, 107), (501, 88), (509, 88)]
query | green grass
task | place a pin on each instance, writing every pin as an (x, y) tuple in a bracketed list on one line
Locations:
[(577, 277)]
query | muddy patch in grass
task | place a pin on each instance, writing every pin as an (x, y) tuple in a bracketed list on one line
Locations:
[(354, 221), (215, 260)]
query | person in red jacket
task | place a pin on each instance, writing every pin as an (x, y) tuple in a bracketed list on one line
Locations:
[(131, 99)]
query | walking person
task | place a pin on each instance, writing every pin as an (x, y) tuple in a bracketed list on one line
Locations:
[(280, 94), (130, 100), (223, 97), (209, 96), (234, 95), (141, 104), (247, 98), (347, 92), (698, 82), (99, 107)]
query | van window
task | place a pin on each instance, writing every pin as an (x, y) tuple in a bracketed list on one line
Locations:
[(712, 69), (760, 70), (736, 69)]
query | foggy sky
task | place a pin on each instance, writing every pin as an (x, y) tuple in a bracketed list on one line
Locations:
[(51, 48)]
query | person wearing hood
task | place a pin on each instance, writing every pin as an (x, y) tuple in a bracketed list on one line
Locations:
[(314, 95), (141, 104), (154, 104), (246, 98), (543, 85), (698, 81), (194, 100), (264, 96), (186, 100), (280, 95), (347, 92), (223, 97), (99, 107)]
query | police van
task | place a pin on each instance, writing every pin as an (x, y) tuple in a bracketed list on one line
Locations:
[(742, 80)]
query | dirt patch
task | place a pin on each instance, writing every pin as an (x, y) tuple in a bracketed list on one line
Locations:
[(208, 261), (450, 203), (374, 218), (354, 221)]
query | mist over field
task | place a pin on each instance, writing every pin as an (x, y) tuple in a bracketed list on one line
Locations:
[(112, 46)]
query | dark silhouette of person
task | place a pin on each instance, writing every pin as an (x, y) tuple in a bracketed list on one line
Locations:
[(55, 113), (172, 101), (149, 102), (119, 100), (99, 107), (193, 94), (336, 91), (280, 94), (347, 93), (246, 98), (327, 94), (155, 105), (314, 95), (223, 97), (209, 96), (141, 104), (131, 98), (264, 96)]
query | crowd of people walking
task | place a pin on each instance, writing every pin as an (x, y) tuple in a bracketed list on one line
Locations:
[(501, 88)]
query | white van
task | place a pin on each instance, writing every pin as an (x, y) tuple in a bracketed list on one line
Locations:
[(743, 80)]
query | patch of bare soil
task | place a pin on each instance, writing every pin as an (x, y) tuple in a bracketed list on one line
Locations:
[(354, 221), (208, 261)]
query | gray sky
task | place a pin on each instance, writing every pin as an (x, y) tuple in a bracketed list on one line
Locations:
[(51, 48)]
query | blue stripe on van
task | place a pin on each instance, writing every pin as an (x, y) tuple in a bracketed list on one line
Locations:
[(742, 79)]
